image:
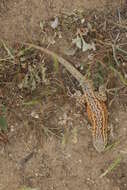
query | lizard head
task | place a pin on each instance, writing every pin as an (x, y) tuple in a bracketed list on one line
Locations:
[(99, 141), (99, 145)]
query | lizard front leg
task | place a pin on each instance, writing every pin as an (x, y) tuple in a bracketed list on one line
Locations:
[(101, 94)]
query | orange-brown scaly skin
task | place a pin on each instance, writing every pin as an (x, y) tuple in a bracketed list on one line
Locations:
[(96, 109), (98, 116), (99, 135)]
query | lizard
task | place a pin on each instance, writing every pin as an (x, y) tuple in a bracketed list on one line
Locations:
[(96, 107)]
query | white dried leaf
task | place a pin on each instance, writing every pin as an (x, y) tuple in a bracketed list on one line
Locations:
[(90, 57), (82, 20), (55, 23), (34, 115), (81, 67), (78, 42), (81, 44), (20, 85)]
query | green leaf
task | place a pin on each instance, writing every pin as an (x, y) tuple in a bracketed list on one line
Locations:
[(111, 167), (31, 103), (3, 123), (56, 65), (3, 109)]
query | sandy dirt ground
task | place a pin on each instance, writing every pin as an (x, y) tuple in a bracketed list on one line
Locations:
[(35, 157)]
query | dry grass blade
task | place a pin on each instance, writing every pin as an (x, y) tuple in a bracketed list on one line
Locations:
[(48, 131), (5, 59), (111, 146), (111, 167), (114, 55), (118, 24), (8, 50), (123, 80), (121, 50), (22, 52)]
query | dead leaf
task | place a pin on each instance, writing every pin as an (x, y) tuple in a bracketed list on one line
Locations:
[(81, 44), (55, 23)]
